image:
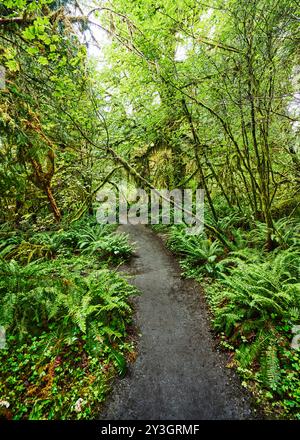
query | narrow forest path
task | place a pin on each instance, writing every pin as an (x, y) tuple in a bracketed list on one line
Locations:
[(178, 373)]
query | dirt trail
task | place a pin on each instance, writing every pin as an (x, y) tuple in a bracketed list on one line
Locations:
[(178, 373)]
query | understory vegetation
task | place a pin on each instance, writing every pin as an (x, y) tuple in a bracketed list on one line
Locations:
[(254, 298), (66, 314), (149, 94)]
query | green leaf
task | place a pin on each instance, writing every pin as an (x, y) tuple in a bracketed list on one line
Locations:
[(120, 361), (43, 61), (29, 33), (32, 50), (12, 65), (45, 38)]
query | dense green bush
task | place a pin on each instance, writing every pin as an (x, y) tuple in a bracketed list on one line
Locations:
[(199, 255), (65, 316), (41, 379), (34, 296), (256, 303), (103, 243), (286, 233), (84, 236)]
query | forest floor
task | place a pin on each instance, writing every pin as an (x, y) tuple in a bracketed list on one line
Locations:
[(179, 372)]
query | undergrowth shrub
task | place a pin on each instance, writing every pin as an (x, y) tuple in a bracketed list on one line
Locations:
[(87, 237), (287, 233), (199, 255), (252, 304), (65, 312), (34, 296), (103, 243)]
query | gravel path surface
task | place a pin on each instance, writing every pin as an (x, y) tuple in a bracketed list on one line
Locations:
[(178, 373)]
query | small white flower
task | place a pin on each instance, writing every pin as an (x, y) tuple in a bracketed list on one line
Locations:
[(78, 405), (4, 403)]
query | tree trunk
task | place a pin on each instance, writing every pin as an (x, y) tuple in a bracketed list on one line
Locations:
[(53, 204)]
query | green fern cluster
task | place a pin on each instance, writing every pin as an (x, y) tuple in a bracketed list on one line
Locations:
[(199, 254), (249, 304), (286, 233), (89, 238), (41, 296), (101, 242), (65, 315)]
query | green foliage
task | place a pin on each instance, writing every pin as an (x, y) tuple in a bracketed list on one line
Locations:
[(65, 316), (255, 304), (259, 291), (286, 233), (98, 241), (288, 385), (200, 254), (73, 302), (85, 236), (44, 379), (212, 108)]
